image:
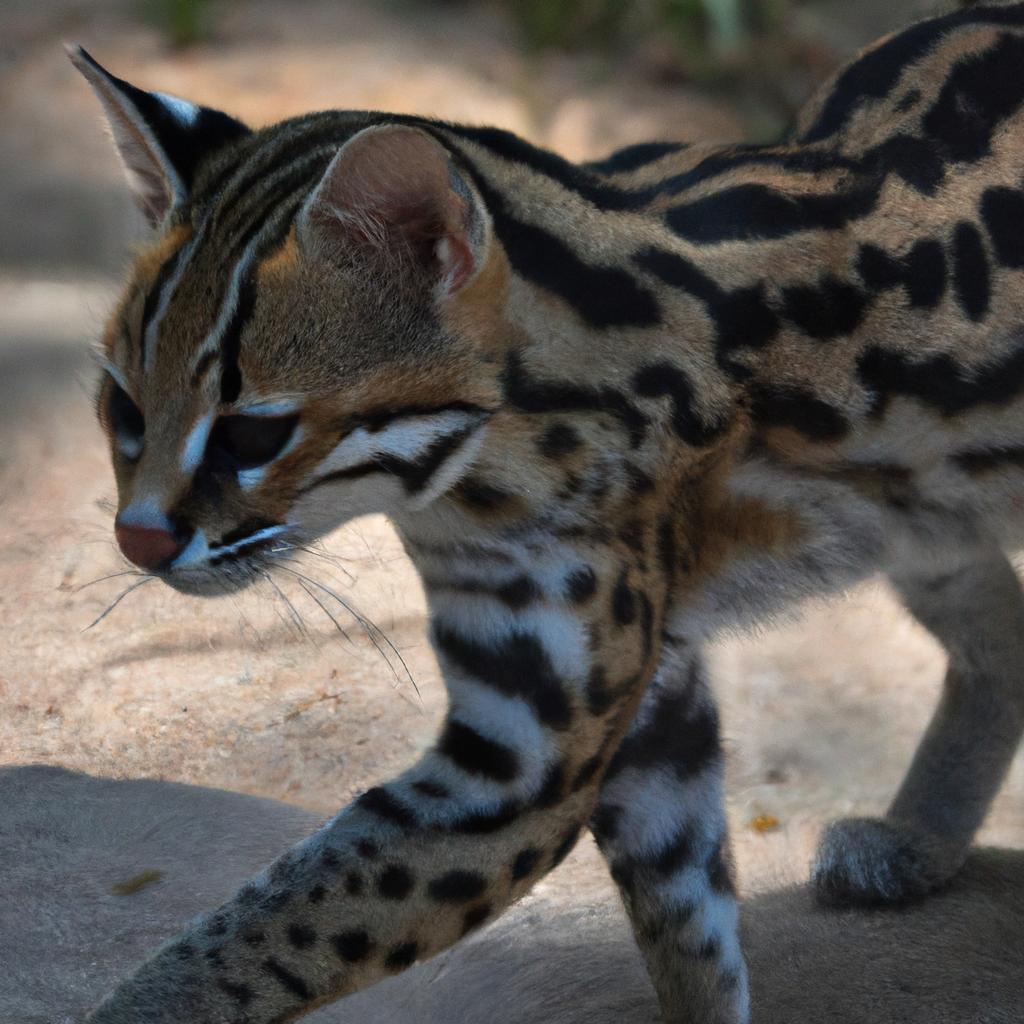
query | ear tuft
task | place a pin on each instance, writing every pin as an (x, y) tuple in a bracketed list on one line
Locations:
[(162, 139), (395, 187)]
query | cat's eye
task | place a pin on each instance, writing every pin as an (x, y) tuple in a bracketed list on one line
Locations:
[(126, 422), (245, 442)]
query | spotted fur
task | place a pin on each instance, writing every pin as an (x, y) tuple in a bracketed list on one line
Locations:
[(612, 409)]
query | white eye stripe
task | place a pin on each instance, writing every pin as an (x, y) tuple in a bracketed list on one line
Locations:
[(115, 374), (405, 439), (195, 444), (279, 407)]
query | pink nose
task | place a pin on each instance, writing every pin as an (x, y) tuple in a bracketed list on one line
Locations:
[(147, 547)]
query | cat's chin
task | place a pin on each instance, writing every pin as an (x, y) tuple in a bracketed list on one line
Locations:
[(208, 583)]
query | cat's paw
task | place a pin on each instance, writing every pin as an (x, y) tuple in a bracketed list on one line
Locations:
[(872, 861)]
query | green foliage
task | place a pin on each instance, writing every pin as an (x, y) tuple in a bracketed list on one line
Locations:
[(568, 24), (721, 26), (184, 22)]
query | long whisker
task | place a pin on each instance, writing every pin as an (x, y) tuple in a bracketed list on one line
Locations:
[(337, 625), (372, 630), (334, 560), (117, 600), (109, 576), (300, 623)]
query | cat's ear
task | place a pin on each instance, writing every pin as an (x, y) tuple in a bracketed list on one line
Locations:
[(162, 139), (394, 186)]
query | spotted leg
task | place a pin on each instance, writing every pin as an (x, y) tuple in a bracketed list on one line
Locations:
[(415, 864), (660, 823), (977, 612)]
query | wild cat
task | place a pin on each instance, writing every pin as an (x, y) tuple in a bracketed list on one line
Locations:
[(611, 409)]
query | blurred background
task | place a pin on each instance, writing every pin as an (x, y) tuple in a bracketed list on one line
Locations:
[(822, 712)]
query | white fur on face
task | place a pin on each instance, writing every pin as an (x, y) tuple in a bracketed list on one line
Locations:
[(195, 444)]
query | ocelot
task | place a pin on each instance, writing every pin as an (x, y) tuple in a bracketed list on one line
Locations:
[(611, 409)]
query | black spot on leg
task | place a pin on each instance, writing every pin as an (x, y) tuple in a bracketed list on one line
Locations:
[(477, 755), (367, 850), (475, 917), (379, 802), (431, 789), (317, 894), (354, 884), (402, 956), (287, 979), (483, 823), (678, 735), (330, 860), (604, 823), (395, 883), (517, 666), (525, 862), (553, 788), (254, 937), (623, 874), (586, 773), (352, 946), (217, 925), (242, 994), (301, 936), (676, 855), (457, 887), (601, 694), (564, 848), (720, 871), (519, 593)]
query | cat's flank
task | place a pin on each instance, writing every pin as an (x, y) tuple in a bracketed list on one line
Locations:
[(611, 409)]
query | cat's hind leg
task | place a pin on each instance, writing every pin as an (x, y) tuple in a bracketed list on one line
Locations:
[(976, 611)]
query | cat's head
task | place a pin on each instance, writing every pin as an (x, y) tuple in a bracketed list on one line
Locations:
[(310, 336)]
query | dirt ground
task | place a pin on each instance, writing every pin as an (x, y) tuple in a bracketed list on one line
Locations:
[(822, 712)]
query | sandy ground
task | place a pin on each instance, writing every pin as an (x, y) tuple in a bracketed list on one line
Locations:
[(822, 713)]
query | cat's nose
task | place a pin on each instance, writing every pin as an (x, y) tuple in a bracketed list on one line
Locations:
[(148, 547)]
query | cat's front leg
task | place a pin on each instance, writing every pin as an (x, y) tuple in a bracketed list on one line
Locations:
[(660, 823), (414, 865), (401, 874)]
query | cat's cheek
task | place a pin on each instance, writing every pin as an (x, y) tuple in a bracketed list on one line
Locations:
[(334, 503)]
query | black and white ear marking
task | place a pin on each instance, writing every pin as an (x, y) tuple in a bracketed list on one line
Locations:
[(162, 139), (396, 186)]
